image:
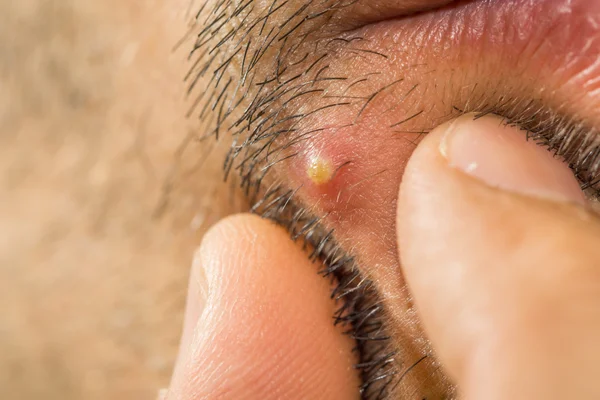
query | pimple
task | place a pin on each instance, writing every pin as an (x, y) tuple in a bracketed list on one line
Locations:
[(319, 170)]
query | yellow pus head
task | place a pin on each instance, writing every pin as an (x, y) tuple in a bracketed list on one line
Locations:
[(319, 170)]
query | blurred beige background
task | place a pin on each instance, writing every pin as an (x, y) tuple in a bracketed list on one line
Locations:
[(102, 200)]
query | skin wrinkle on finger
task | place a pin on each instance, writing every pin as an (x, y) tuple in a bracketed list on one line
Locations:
[(363, 99)]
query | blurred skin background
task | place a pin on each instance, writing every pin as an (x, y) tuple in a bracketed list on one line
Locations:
[(102, 200)]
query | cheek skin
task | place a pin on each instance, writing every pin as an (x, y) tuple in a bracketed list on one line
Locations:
[(336, 168)]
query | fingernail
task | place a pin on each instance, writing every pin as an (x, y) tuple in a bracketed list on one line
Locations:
[(501, 156)]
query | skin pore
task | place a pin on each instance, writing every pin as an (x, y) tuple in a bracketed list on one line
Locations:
[(99, 145)]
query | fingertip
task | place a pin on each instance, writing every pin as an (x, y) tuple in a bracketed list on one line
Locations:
[(267, 330), (491, 237)]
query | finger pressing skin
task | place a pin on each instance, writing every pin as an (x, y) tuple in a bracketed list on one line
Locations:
[(503, 262), (266, 330)]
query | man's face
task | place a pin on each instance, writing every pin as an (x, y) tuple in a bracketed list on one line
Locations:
[(324, 101), (311, 110)]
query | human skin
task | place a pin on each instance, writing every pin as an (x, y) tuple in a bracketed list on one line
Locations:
[(94, 258), (93, 271)]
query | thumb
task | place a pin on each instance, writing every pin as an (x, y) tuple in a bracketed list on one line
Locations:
[(503, 263), (266, 329)]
